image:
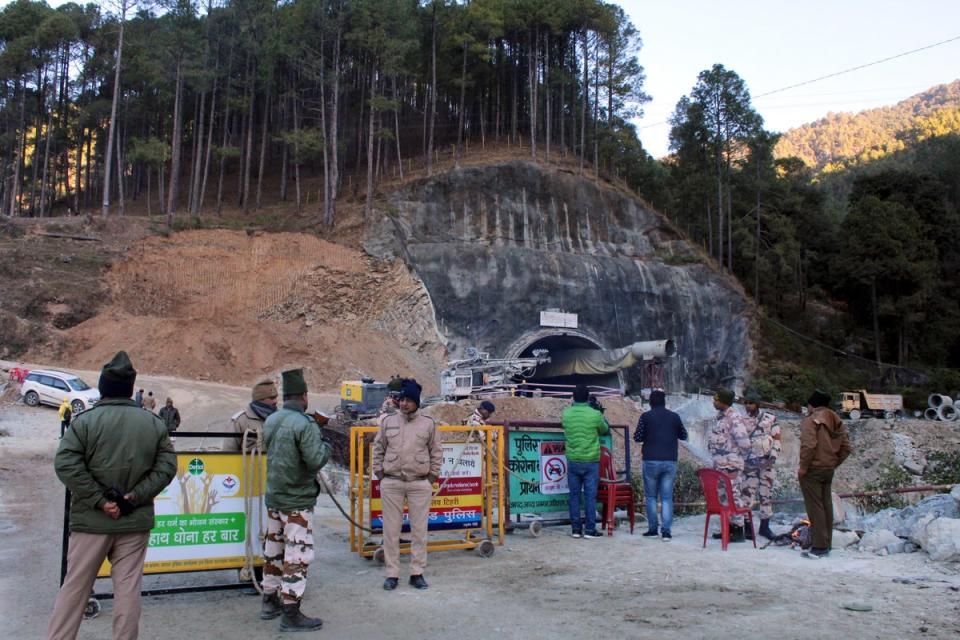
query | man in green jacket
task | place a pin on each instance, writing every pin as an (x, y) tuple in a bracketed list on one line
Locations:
[(114, 459), (582, 426), (296, 451)]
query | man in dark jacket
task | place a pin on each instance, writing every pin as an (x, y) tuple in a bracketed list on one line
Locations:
[(823, 447), (114, 460), (170, 416), (296, 451), (659, 431)]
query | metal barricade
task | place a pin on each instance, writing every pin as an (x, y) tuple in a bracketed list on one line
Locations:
[(467, 513)]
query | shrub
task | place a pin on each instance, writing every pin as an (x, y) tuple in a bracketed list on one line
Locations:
[(686, 489), (943, 468), (892, 476)]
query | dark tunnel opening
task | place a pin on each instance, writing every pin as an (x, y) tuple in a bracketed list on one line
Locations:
[(565, 342)]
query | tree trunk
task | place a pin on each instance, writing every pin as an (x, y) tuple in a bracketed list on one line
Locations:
[(548, 114), (756, 255), (123, 207), (248, 153), (334, 189), (46, 153), (532, 64), (876, 319), (173, 194), (460, 114), (209, 152), (368, 207), (583, 108), (111, 131), (198, 156), (263, 146), (396, 124), (296, 156), (433, 91)]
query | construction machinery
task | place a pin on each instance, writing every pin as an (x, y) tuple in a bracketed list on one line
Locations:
[(361, 398), (478, 373), (857, 404)]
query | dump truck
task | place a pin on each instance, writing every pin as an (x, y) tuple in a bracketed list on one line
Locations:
[(857, 404)]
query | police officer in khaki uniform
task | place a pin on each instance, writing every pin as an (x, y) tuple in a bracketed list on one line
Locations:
[(406, 459)]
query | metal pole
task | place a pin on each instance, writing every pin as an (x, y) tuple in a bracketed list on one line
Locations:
[(65, 543)]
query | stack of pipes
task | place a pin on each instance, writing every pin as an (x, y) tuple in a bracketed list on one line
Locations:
[(941, 407)]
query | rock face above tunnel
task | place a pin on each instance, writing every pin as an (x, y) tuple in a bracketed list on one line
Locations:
[(495, 245)]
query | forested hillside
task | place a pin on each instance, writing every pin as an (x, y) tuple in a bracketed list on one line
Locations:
[(842, 139), (190, 107)]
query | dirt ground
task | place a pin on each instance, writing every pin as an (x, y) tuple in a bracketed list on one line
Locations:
[(546, 587)]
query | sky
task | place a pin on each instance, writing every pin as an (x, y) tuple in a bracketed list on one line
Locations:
[(773, 44)]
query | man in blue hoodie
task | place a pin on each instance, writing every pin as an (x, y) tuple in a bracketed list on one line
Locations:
[(659, 430)]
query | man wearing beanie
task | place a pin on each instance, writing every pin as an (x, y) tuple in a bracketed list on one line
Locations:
[(659, 432), (296, 451), (482, 413), (729, 445), (823, 447), (263, 402), (406, 459), (114, 459)]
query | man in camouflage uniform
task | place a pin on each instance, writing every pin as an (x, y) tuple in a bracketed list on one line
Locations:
[(764, 451), (729, 445), (296, 451)]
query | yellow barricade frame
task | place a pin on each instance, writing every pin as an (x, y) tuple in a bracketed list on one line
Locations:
[(491, 440)]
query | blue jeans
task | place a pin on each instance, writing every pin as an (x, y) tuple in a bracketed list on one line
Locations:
[(658, 477), (583, 476)]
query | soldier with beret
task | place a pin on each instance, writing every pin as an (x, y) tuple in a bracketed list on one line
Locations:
[(729, 445), (296, 451), (406, 459)]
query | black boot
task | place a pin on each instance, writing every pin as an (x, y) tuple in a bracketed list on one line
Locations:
[(765, 529), (747, 531), (271, 607), (718, 535), (294, 620), (736, 534)]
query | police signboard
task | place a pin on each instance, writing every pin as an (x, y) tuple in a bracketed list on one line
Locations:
[(538, 464), (200, 518), (459, 503)]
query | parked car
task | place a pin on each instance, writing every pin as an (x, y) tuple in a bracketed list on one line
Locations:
[(51, 387)]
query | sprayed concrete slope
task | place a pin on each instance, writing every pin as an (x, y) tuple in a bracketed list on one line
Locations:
[(495, 245)]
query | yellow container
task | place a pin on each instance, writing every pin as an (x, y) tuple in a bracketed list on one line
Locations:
[(351, 390)]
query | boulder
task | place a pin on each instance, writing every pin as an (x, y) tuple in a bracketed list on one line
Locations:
[(943, 539), (877, 541), (843, 539), (839, 512), (897, 547), (955, 493), (917, 532), (886, 519), (941, 505)]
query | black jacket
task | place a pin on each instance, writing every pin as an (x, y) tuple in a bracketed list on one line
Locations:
[(659, 430)]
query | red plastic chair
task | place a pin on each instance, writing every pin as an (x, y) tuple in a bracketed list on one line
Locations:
[(613, 492), (710, 480)]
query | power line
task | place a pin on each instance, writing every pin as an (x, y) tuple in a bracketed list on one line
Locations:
[(858, 67), (833, 75)]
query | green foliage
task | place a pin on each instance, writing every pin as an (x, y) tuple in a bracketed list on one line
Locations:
[(892, 476), (942, 468), (686, 490), (840, 139)]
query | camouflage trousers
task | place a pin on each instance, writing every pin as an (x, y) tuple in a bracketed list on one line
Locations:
[(287, 551), (758, 485), (736, 482)]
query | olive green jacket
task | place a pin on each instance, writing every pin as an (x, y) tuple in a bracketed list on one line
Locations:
[(296, 451), (114, 445)]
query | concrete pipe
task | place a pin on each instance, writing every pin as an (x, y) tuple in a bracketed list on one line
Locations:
[(937, 400), (948, 413), (654, 349), (931, 414)]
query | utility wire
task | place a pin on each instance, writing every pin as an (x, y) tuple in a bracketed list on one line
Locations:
[(858, 67), (833, 75)]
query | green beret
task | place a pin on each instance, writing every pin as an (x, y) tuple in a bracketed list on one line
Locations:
[(294, 384)]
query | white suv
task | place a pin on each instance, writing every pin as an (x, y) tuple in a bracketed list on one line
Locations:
[(51, 387)]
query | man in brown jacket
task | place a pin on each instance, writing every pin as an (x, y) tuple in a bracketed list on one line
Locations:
[(262, 405), (406, 459), (823, 447)]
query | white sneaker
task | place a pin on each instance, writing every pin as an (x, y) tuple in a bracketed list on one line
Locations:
[(592, 534), (576, 534)]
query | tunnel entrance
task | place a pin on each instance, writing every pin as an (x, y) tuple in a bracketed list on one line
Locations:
[(555, 343)]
